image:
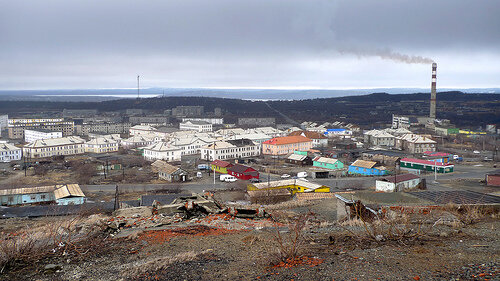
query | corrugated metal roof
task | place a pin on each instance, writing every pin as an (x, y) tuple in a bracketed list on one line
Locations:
[(364, 164), (326, 160), (27, 190), (297, 157), (400, 178), (68, 190), (426, 162)]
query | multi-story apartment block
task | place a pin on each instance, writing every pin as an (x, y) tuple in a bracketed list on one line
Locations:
[(379, 138), (286, 145), (415, 143), (102, 127), (162, 151), (101, 145), (33, 135), (188, 111), (230, 149), (142, 130), (65, 146), (191, 145), (18, 126), (213, 121), (4, 122), (9, 152), (79, 112), (198, 126), (139, 141), (137, 120)]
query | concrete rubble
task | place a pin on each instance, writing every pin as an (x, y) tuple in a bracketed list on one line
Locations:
[(197, 209)]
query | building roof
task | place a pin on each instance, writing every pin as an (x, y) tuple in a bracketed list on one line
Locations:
[(220, 145), (426, 162), (101, 140), (364, 164), (399, 178), (287, 140), (241, 142), (167, 168), (270, 192), (310, 186), (437, 154), (143, 128), (161, 146), (326, 160), (308, 134), (56, 142), (27, 190), (297, 157), (68, 190), (196, 122), (8, 147), (140, 138), (220, 163), (238, 168)]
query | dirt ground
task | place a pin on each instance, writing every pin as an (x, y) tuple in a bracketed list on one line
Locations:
[(224, 248)]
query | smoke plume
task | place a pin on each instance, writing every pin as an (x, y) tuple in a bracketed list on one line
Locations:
[(387, 54)]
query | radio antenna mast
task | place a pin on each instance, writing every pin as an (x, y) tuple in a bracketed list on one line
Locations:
[(138, 86)]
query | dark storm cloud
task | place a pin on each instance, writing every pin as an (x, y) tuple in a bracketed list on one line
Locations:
[(187, 39)]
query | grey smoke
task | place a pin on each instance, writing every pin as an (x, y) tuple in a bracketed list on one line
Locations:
[(387, 54)]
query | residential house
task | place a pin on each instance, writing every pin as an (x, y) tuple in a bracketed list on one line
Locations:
[(286, 145), (66, 194), (169, 172), (298, 159), (243, 172), (398, 183), (69, 194), (367, 168), (327, 163), (162, 151), (415, 143), (379, 138), (318, 139), (220, 166), (419, 165), (198, 126), (65, 146), (230, 149), (9, 152), (101, 145)]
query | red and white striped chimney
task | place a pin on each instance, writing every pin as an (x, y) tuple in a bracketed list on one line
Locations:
[(433, 92)]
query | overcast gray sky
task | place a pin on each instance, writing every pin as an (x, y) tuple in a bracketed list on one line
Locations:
[(248, 43)]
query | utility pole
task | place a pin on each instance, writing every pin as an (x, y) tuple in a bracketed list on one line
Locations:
[(117, 202), (435, 171)]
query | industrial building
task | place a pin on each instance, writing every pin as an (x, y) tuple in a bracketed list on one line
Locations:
[(398, 183)]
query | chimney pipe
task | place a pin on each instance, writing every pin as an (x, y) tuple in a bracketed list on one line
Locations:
[(432, 113)]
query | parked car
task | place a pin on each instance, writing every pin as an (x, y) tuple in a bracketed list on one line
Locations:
[(203, 167), (476, 152), (302, 175), (285, 176), (230, 179), (254, 180)]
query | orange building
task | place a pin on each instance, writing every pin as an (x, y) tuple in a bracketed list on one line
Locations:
[(286, 145)]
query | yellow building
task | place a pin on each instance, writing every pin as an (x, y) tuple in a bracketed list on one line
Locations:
[(294, 185), (220, 166)]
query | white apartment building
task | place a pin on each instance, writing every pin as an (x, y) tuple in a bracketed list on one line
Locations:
[(199, 126), (162, 151), (191, 145), (213, 121), (9, 152), (139, 141), (34, 120), (230, 149), (101, 145), (33, 135), (71, 145)]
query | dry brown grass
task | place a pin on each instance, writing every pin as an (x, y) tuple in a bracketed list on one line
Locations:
[(152, 265)]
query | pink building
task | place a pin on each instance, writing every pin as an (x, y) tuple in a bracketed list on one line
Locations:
[(286, 145)]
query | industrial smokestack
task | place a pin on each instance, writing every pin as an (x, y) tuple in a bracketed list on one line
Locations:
[(433, 92)]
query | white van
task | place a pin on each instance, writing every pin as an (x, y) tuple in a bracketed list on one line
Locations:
[(302, 175), (227, 178)]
